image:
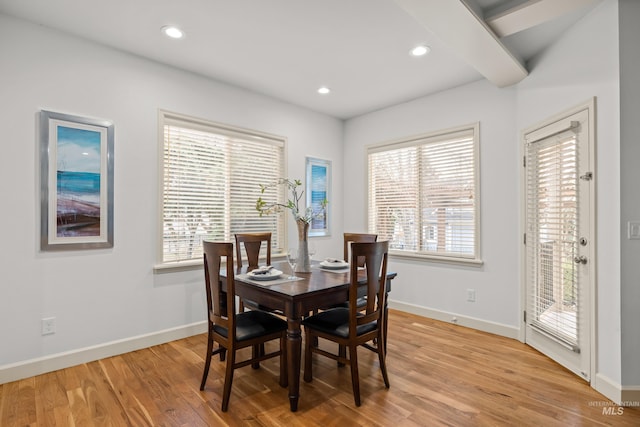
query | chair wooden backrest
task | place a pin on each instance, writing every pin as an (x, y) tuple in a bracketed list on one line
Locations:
[(220, 303), (375, 256), (252, 243), (350, 238)]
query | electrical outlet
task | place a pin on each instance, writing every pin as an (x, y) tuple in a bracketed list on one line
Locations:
[(471, 295), (49, 326)]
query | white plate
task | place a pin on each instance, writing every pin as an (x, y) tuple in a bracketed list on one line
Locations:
[(334, 265), (271, 275)]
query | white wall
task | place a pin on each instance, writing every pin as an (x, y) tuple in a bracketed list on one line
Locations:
[(100, 296), (629, 14), (439, 289), (580, 65)]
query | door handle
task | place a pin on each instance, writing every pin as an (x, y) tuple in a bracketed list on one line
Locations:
[(580, 259)]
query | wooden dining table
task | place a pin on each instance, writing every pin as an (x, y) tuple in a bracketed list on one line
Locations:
[(296, 299)]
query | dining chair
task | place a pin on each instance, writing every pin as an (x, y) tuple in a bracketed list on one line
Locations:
[(252, 243), (234, 331), (350, 238), (352, 327)]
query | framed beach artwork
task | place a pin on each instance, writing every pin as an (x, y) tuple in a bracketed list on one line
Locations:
[(318, 189), (76, 182)]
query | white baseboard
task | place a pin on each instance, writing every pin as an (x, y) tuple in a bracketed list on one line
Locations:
[(620, 395), (470, 322), (29, 368), (608, 388)]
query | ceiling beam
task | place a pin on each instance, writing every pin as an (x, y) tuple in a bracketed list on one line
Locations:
[(467, 35), (532, 13)]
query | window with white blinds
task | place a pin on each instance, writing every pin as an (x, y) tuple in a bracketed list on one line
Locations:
[(423, 194), (552, 235), (210, 180)]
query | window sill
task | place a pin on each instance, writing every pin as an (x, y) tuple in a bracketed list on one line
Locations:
[(473, 262), (173, 267), (177, 266)]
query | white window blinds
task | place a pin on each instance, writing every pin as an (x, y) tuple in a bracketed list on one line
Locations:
[(211, 176), (552, 235), (423, 194)]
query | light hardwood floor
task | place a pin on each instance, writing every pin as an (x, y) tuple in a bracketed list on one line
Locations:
[(440, 374)]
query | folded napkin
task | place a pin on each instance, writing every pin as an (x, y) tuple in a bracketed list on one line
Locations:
[(265, 269), (336, 260)]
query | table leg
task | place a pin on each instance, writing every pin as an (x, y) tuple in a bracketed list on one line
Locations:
[(294, 351)]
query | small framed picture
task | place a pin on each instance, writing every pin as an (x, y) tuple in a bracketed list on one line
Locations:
[(318, 191), (76, 182)]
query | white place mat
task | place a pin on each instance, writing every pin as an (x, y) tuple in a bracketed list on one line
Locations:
[(335, 270), (285, 279)]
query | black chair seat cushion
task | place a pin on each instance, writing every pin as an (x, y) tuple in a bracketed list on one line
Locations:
[(335, 321), (254, 323), (361, 302)]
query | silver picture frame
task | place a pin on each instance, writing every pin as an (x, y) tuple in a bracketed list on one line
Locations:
[(76, 182), (318, 188)]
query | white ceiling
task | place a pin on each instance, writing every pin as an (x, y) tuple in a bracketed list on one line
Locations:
[(288, 48)]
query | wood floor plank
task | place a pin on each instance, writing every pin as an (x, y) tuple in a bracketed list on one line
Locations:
[(49, 396), (9, 404), (441, 375)]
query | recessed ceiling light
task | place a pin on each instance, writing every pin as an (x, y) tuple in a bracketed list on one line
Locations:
[(173, 32), (420, 50), (324, 90)]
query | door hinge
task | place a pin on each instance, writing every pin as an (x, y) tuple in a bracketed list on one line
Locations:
[(525, 316), (587, 176), (525, 238), (580, 259), (524, 161)]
